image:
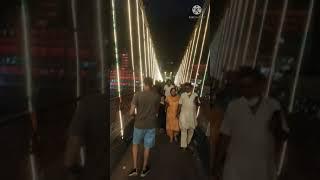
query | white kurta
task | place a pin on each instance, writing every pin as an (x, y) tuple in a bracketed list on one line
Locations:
[(167, 90), (188, 114), (251, 151)]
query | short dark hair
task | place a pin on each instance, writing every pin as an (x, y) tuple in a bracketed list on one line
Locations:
[(174, 88), (188, 84), (148, 81)]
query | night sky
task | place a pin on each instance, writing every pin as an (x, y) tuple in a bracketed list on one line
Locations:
[(170, 27)]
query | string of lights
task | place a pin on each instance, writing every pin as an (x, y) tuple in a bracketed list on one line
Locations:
[(117, 65), (196, 47), (139, 44), (144, 44), (235, 63), (28, 76), (201, 51), (184, 73), (131, 47), (189, 72)]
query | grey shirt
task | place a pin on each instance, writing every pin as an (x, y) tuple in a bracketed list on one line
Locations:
[(147, 104)]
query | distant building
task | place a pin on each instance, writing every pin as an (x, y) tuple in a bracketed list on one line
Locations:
[(126, 73)]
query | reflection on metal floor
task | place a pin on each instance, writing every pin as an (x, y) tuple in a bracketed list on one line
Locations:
[(167, 162)]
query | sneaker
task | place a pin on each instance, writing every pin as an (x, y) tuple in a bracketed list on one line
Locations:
[(145, 172), (133, 172)]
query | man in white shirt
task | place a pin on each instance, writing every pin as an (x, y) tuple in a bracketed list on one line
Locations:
[(167, 88), (187, 115), (248, 133)]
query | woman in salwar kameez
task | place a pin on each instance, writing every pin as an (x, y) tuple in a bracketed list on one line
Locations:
[(172, 125)]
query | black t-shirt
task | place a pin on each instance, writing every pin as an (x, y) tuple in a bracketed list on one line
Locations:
[(90, 124)]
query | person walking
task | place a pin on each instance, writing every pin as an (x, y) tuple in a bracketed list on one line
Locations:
[(172, 125), (167, 87), (162, 112), (187, 115), (88, 128), (249, 132), (147, 105)]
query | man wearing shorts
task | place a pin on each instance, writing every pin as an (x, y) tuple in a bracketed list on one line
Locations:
[(147, 104)]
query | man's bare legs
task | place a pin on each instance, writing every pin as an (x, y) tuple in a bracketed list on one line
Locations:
[(135, 149), (145, 158), (146, 154)]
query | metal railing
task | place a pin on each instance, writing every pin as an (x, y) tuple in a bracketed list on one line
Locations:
[(50, 138)]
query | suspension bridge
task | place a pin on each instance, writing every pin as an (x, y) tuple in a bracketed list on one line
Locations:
[(222, 39)]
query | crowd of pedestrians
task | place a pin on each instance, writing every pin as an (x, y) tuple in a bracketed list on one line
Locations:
[(165, 107), (247, 127)]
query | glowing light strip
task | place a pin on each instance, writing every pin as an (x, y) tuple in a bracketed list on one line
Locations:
[(301, 54), (226, 43), (76, 44), (33, 167), (228, 36), (144, 45), (148, 46), (100, 46), (297, 74), (184, 67), (139, 45), (235, 28), (203, 81), (223, 48), (131, 47), (190, 57), (253, 12), (116, 48), (152, 70), (265, 9), (28, 74), (188, 62), (195, 51), (220, 48), (26, 53), (150, 64), (241, 33), (82, 156), (150, 49), (276, 46), (203, 41), (205, 74), (117, 64)]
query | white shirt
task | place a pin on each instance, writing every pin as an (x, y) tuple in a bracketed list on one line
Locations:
[(188, 112), (251, 150), (167, 90)]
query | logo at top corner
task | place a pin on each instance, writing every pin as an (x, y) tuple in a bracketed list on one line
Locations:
[(196, 10)]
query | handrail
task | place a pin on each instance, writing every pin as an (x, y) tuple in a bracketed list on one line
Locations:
[(12, 117)]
